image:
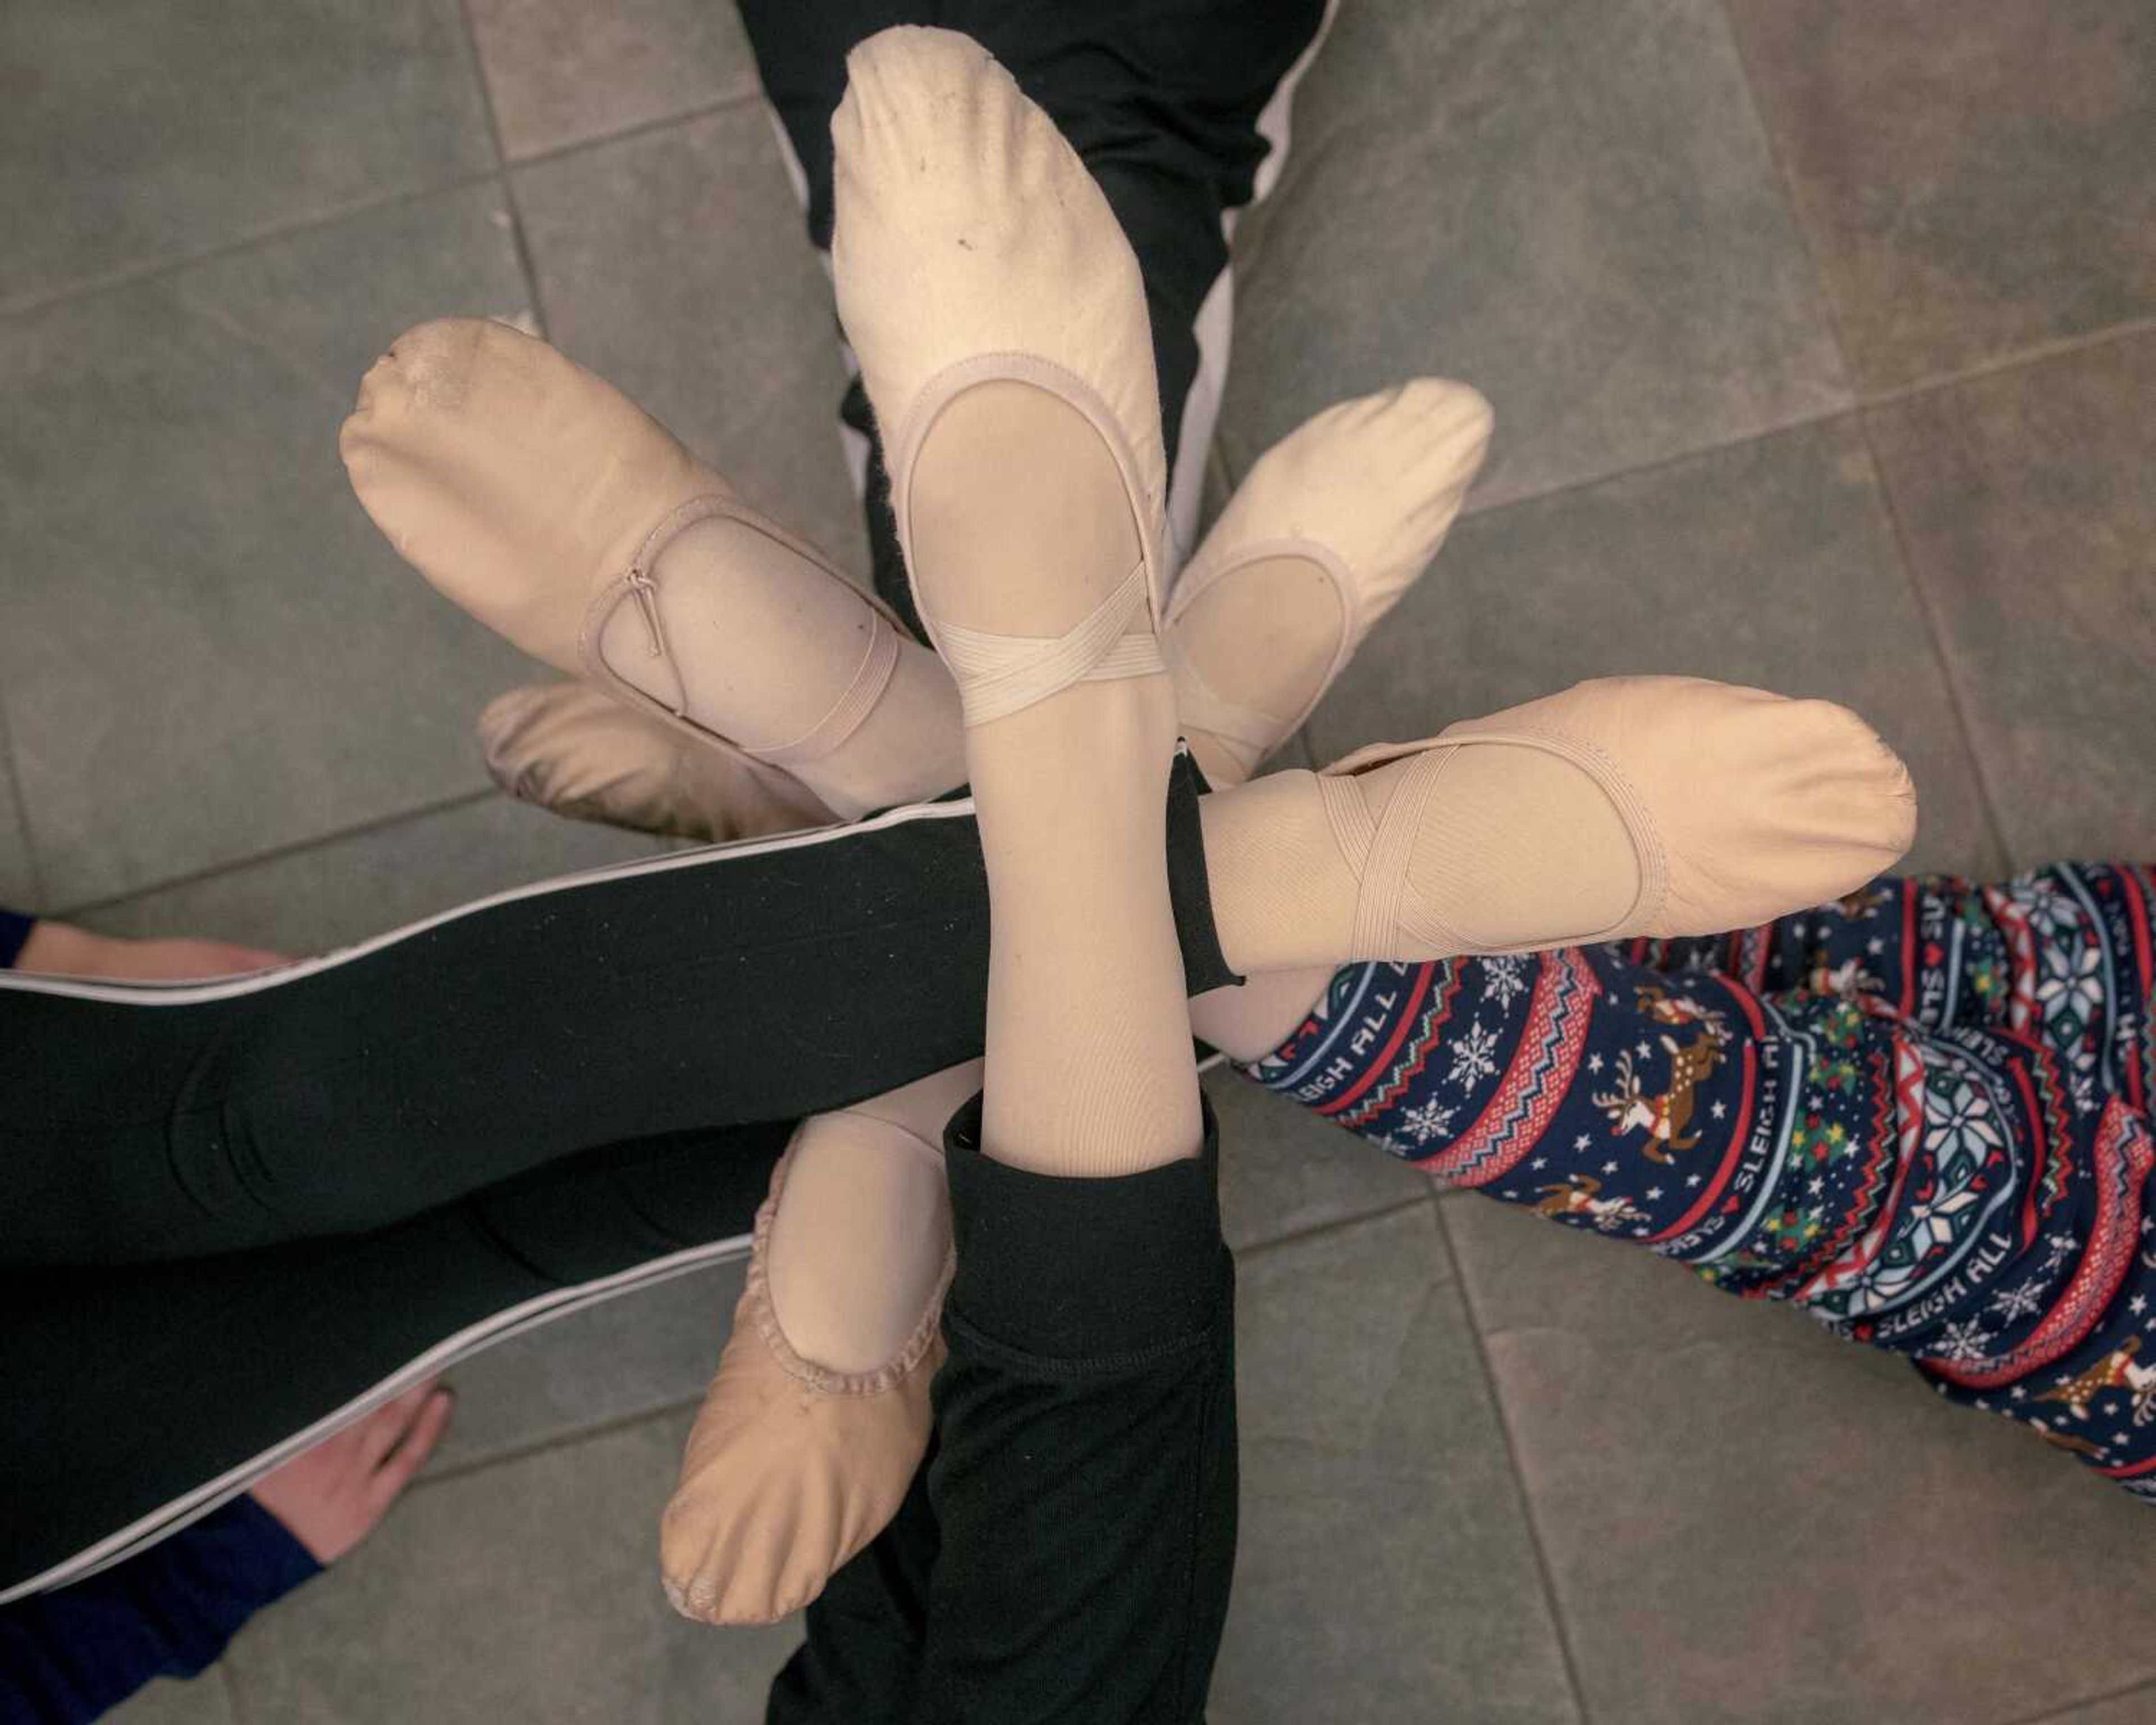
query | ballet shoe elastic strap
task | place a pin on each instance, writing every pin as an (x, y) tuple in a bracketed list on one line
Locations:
[(1387, 914), (998, 674), (1386, 910), (844, 719), (640, 585)]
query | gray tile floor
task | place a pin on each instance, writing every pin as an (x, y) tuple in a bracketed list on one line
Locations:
[(1823, 343)]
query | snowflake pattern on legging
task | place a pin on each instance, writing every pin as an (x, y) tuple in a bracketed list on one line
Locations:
[(1920, 1113)]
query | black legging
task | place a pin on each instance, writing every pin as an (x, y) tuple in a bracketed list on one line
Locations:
[(142, 1396), (761, 981)]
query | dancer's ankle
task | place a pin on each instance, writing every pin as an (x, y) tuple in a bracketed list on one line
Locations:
[(1283, 897)]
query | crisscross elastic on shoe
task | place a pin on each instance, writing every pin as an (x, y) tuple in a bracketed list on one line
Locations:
[(1388, 913), (1377, 853), (999, 674)]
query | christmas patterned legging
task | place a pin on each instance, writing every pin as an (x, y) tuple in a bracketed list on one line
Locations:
[(1921, 1114)]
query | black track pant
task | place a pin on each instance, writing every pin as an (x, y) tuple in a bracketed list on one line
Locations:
[(322, 1183), (1065, 1552), (141, 1397), (761, 981)]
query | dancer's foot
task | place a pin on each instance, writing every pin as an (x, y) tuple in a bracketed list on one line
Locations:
[(999, 316), (999, 319), (1625, 806), (545, 503), (1331, 527), (819, 1416), (63, 949), (1334, 523), (582, 754)]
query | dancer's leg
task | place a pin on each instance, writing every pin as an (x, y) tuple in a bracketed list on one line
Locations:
[(1944, 953), (1950, 1160), (238, 1361), (343, 1094), (545, 503), (778, 1491), (1084, 1487)]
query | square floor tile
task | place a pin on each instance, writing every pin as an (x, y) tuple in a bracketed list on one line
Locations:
[(561, 73), (525, 1591), (1283, 1171), (1772, 563), (1747, 1521), (675, 264), (345, 889), (2137, 1709), (1969, 192), (1569, 204), (2027, 502), (1385, 1569), (206, 650), (135, 130), (633, 1355), (170, 1701)]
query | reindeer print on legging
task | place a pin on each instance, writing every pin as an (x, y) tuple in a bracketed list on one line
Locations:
[(1664, 1117), (1577, 1197)]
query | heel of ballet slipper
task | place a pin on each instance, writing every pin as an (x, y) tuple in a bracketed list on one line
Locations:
[(756, 1305), (1246, 735), (1241, 726)]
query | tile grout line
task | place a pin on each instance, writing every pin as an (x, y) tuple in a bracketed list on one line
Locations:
[(1858, 398), (127, 276), (518, 242), (1675, 457), (279, 853), (641, 128), (1787, 181), (1935, 629), (1543, 1570), (2057, 347), (1934, 626), (232, 1698), (2064, 1715), (2035, 353), (90, 287), (1320, 1230), (1855, 407)]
